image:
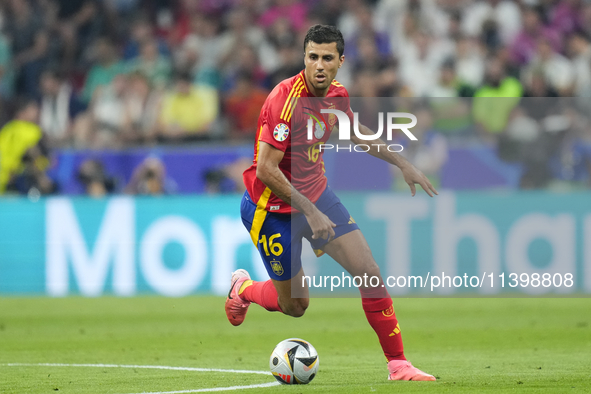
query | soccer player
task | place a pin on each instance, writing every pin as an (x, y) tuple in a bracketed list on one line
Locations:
[(287, 198)]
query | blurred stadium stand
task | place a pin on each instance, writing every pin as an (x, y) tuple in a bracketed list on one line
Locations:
[(182, 82)]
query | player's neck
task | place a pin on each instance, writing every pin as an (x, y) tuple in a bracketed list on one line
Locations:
[(315, 92)]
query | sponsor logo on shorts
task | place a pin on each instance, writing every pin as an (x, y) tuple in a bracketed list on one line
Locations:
[(281, 132), (277, 267)]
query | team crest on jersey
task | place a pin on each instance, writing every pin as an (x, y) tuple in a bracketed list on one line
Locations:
[(277, 267), (332, 118), (281, 132)]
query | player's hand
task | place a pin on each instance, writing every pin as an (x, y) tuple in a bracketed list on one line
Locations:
[(413, 176), (322, 227)]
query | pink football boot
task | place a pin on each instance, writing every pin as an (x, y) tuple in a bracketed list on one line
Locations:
[(236, 308), (403, 370)]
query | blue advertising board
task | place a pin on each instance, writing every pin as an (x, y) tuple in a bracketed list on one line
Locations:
[(175, 246)]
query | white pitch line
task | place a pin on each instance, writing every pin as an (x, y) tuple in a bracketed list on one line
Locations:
[(137, 367), (252, 386)]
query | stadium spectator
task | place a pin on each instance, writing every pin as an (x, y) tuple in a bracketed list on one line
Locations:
[(280, 33), (523, 48), (18, 142), (328, 12), (6, 71), (187, 59), (199, 52), (580, 53), (187, 112), (573, 161), (566, 16), (502, 17), (156, 67), (370, 58), (535, 85), (419, 67), (140, 111), (21, 24), (59, 108), (469, 59), (32, 179), (382, 67), (290, 63), (103, 124), (447, 84), (30, 45), (495, 100), (556, 69), (227, 178), (454, 28), (586, 19), (235, 171), (292, 10), (142, 31), (149, 178), (497, 83), (241, 31), (245, 60), (107, 66), (364, 30), (205, 32), (243, 106), (79, 24), (81, 14), (401, 19), (94, 179)]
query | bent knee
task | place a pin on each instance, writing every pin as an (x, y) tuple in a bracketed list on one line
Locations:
[(296, 307)]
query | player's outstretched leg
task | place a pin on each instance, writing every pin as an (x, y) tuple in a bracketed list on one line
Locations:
[(379, 311), (236, 307), (352, 252)]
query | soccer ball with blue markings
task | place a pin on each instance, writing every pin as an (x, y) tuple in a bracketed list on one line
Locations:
[(294, 361)]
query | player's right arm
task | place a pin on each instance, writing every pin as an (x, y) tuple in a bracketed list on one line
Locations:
[(269, 173)]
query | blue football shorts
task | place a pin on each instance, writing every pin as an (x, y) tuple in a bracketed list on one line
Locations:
[(278, 236)]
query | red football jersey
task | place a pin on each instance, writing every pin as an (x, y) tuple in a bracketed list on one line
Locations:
[(302, 163)]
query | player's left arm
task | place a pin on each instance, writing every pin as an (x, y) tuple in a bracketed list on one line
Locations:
[(411, 174)]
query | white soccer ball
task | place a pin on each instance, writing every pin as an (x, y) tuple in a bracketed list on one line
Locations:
[(294, 361)]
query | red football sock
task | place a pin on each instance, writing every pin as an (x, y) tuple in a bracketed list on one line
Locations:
[(380, 315), (262, 293)]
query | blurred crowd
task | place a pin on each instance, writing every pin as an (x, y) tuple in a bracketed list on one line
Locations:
[(113, 74)]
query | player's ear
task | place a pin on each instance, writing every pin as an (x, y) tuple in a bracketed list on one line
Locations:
[(341, 60)]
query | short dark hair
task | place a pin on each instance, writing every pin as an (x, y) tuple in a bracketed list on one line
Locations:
[(325, 34)]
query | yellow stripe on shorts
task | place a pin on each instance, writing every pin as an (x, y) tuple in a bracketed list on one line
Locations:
[(259, 216)]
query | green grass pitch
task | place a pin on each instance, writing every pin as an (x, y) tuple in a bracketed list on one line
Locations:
[(471, 345)]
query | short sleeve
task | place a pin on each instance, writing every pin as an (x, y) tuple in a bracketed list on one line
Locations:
[(276, 131)]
